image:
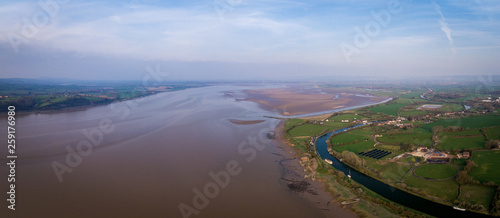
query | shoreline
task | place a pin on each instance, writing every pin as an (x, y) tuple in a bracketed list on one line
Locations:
[(293, 173)]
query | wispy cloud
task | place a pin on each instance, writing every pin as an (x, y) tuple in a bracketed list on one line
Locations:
[(260, 32), (444, 26)]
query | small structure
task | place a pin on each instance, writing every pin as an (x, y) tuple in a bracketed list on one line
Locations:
[(438, 157), (345, 121), (422, 149), (438, 160), (463, 155), (429, 107)]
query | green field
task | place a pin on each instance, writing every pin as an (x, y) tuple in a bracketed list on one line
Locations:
[(414, 94), (395, 171), (407, 113), (354, 136), (393, 148), (474, 122), (493, 133), (436, 171), (472, 139), (356, 147), (307, 130), (423, 138), (475, 194), (488, 166), (293, 122), (447, 189), (448, 107), (390, 109), (349, 117)]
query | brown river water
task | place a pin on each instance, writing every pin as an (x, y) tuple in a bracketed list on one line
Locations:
[(152, 157)]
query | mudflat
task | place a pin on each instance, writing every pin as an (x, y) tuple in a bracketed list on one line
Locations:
[(290, 101)]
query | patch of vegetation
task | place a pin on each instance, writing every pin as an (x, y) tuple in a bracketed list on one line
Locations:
[(446, 190), (292, 122), (436, 171), (489, 166), (476, 194), (420, 139), (353, 136), (493, 133), (307, 130), (390, 109), (350, 117), (395, 171), (473, 122), (355, 147), (472, 139), (448, 107)]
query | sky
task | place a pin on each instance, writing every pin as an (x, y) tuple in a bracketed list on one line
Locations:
[(241, 39)]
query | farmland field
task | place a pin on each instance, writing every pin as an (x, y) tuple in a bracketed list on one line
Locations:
[(477, 194), (356, 147), (395, 171), (493, 133), (390, 109), (436, 171), (306, 130), (488, 166), (472, 139), (471, 122), (349, 117), (447, 190), (353, 136), (423, 139), (293, 122)]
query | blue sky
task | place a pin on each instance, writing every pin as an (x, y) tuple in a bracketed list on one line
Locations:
[(238, 39)]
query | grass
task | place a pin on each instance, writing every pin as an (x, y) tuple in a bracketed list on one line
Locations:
[(488, 166), (474, 122), (390, 109), (414, 94), (393, 148), (356, 147), (446, 190), (407, 113), (353, 136), (493, 133), (293, 122), (307, 130), (475, 194), (472, 139), (395, 171), (349, 117), (423, 138), (436, 171), (448, 107)]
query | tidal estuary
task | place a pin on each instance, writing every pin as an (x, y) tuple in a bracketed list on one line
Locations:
[(167, 155)]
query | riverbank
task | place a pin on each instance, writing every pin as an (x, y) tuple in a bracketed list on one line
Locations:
[(293, 174)]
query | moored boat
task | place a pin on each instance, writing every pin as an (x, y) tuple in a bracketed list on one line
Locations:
[(458, 208)]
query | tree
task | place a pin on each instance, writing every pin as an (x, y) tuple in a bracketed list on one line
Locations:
[(490, 144)]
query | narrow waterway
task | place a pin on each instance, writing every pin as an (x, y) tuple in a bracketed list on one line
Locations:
[(387, 191)]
